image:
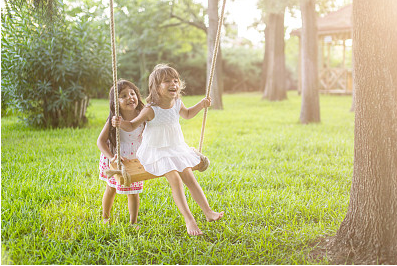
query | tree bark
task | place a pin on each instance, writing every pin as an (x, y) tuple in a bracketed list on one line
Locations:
[(275, 89), (265, 62), (368, 234), (144, 74), (310, 107), (217, 83), (353, 107)]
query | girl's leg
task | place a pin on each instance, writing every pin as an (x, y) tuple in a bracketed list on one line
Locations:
[(198, 195), (133, 207), (179, 197), (107, 202)]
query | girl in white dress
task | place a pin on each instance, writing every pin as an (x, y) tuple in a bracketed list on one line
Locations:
[(130, 104), (163, 150)]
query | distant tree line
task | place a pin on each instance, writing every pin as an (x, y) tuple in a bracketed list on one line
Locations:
[(56, 57)]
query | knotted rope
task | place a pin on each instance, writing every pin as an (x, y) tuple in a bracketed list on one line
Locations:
[(214, 55), (121, 171)]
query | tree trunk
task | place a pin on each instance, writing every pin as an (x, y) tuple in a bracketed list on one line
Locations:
[(310, 108), (217, 83), (353, 107), (368, 234), (275, 89), (144, 74), (262, 83)]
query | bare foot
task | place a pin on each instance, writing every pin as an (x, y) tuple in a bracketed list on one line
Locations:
[(135, 226), (106, 222), (214, 216), (192, 228)]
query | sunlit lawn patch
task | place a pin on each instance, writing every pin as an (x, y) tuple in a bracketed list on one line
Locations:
[(280, 183)]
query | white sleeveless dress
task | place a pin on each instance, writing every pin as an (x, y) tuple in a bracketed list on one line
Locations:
[(163, 147)]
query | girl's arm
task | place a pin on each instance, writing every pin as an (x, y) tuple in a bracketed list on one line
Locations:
[(191, 112), (146, 114), (102, 141)]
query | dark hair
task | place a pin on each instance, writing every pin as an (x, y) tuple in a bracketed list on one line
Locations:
[(159, 73), (121, 85)]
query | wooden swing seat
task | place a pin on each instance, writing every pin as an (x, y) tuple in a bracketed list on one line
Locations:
[(137, 173)]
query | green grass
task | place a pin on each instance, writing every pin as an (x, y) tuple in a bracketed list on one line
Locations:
[(281, 184)]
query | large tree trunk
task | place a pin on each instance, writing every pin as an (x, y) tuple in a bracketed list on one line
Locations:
[(217, 83), (275, 89), (265, 62), (368, 234), (353, 107), (310, 108)]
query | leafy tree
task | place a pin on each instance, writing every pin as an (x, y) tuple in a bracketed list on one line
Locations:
[(149, 34), (188, 15), (51, 66)]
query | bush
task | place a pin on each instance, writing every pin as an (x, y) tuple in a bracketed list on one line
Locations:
[(241, 69), (51, 69), (193, 72)]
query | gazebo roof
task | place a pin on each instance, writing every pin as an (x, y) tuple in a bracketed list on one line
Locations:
[(337, 23)]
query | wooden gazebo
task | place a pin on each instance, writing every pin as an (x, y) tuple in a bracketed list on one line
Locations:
[(333, 29)]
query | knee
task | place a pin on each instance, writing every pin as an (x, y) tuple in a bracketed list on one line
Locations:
[(174, 179), (110, 191), (133, 197), (188, 178)]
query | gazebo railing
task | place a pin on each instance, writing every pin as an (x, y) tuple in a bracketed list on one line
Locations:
[(335, 80)]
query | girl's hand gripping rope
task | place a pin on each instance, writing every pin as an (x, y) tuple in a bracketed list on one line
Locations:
[(116, 121), (206, 102), (115, 158)]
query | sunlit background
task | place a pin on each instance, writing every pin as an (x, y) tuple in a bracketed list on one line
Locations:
[(245, 12)]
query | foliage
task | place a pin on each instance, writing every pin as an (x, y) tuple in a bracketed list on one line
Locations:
[(281, 184), (50, 69), (292, 61), (192, 68), (149, 35), (276, 6), (242, 67)]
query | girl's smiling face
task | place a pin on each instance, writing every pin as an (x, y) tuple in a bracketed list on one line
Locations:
[(128, 99), (169, 87)]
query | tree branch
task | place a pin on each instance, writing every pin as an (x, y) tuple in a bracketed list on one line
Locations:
[(171, 25), (196, 24)]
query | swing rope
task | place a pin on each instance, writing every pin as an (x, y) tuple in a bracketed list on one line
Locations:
[(115, 89), (214, 56)]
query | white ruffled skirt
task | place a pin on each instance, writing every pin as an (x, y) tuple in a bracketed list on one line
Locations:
[(161, 160)]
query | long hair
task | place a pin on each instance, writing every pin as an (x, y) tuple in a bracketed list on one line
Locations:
[(121, 85), (159, 73)]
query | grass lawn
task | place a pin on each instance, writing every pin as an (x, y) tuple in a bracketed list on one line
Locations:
[(281, 184)]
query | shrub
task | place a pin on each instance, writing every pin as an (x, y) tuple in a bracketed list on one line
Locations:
[(51, 69), (241, 69)]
